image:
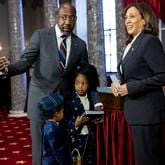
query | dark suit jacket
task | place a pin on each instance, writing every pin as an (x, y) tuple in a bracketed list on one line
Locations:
[(73, 108), (144, 73), (42, 52)]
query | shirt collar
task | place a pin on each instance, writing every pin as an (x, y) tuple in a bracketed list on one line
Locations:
[(59, 33), (135, 37), (82, 97)]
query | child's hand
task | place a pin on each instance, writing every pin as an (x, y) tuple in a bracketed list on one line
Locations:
[(81, 120), (99, 108), (98, 120)]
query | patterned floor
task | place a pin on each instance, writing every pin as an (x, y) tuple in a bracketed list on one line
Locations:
[(15, 142)]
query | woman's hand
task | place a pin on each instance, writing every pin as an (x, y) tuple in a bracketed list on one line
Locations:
[(119, 89), (115, 89), (122, 90)]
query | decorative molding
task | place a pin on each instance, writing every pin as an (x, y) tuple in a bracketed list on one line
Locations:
[(17, 114)]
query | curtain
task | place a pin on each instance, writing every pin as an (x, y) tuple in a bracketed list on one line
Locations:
[(114, 142), (162, 7), (157, 6)]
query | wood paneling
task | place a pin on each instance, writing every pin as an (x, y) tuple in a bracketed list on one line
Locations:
[(111, 102)]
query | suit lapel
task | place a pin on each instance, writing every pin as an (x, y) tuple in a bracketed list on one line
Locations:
[(119, 71), (53, 47), (52, 40), (133, 48), (128, 56)]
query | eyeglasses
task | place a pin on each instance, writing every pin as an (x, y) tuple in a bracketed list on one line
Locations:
[(69, 17)]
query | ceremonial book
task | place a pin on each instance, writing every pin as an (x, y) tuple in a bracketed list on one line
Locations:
[(92, 114), (115, 79), (104, 89)]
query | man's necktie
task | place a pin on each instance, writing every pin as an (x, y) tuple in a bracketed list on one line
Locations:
[(63, 51)]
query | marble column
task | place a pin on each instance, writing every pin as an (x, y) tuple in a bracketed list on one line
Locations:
[(120, 31), (50, 6), (16, 45), (95, 33)]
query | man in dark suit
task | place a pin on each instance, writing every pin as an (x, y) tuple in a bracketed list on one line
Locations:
[(49, 75)]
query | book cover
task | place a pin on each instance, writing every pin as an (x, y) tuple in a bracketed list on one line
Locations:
[(114, 79), (104, 89), (92, 114)]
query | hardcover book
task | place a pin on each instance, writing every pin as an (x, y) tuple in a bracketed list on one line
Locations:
[(104, 89), (92, 114)]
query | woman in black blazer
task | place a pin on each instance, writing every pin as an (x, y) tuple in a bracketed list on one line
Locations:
[(141, 71)]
